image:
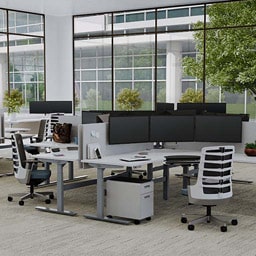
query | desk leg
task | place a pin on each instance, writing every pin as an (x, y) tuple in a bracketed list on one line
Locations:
[(100, 201), (60, 195), (165, 182), (184, 190), (70, 170)]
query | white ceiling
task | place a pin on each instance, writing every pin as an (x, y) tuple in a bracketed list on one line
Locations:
[(73, 7)]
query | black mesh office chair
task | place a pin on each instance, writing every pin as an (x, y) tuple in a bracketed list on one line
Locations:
[(41, 136), (213, 185), (26, 172)]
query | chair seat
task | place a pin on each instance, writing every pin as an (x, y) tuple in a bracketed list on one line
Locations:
[(40, 174)]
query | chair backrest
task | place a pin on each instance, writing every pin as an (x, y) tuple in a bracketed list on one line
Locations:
[(43, 130), (19, 159), (214, 176)]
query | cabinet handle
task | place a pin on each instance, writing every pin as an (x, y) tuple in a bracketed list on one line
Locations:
[(147, 186), (147, 196)]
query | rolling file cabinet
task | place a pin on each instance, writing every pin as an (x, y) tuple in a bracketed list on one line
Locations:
[(130, 198)]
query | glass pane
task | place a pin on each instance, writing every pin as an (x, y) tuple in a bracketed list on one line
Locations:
[(135, 65), (27, 71), (134, 22), (3, 23), (26, 23), (93, 25), (238, 13), (93, 74)]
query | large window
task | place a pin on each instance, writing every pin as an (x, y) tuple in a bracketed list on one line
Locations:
[(22, 54), (152, 50)]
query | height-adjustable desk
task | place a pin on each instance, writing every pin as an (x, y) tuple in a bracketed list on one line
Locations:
[(60, 158), (152, 157)]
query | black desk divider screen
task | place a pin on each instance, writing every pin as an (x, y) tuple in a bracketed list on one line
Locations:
[(218, 128), (47, 107), (172, 128), (128, 129)]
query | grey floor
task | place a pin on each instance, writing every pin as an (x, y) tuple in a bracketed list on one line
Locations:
[(26, 231)]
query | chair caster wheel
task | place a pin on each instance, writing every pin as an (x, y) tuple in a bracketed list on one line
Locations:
[(141, 177), (21, 203), (109, 216), (51, 196), (223, 229), (234, 222), (191, 227), (9, 198), (184, 220), (137, 222), (47, 201)]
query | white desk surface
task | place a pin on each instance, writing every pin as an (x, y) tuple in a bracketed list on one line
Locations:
[(16, 129), (52, 144), (243, 158), (6, 144), (154, 155), (64, 155)]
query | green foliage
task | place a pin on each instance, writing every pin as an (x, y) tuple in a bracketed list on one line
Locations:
[(230, 52), (91, 97), (129, 99), (13, 101), (192, 96), (251, 145)]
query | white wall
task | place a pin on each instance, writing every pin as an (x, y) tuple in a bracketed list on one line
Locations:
[(59, 57)]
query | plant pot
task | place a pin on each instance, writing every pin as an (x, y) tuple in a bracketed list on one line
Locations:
[(12, 116), (250, 151)]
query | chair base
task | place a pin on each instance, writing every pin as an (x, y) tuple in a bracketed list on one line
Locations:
[(141, 173), (47, 196), (209, 218)]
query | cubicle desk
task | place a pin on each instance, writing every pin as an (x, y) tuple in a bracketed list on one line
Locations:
[(154, 156), (53, 144), (60, 159)]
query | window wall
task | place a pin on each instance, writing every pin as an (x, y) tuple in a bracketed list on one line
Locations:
[(162, 52), (22, 55)]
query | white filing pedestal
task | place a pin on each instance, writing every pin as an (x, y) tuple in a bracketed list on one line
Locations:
[(130, 198)]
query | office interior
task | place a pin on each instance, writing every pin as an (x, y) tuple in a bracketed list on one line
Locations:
[(162, 233)]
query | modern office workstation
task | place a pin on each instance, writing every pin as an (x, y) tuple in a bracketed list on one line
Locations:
[(125, 129)]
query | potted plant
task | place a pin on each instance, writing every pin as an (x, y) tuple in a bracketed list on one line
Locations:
[(250, 149), (13, 101), (129, 99)]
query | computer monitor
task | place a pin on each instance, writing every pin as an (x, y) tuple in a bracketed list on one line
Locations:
[(46, 107), (164, 106), (171, 128), (128, 129), (218, 128), (203, 107)]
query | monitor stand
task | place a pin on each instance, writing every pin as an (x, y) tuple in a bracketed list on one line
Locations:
[(158, 145)]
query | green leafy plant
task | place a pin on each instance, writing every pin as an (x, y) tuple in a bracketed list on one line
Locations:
[(129, 99), (192, 96), (13, 101), (251, 145)]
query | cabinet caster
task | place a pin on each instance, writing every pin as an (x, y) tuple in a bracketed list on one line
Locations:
[(9, 198), (191, 227)]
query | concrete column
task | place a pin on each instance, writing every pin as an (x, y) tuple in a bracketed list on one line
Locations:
[(59, 57), (173, 71)]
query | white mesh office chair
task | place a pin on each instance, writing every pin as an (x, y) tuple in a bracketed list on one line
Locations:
[(26, 172), (213, 185)]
